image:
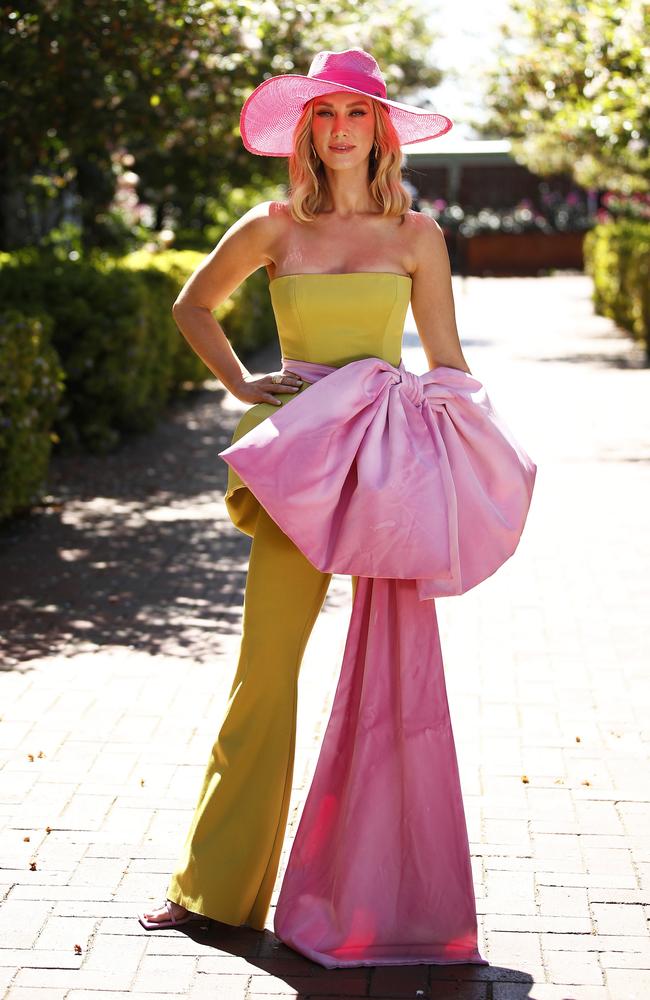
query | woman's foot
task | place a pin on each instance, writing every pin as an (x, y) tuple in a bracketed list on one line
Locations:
[(168, 910), (168, 915)]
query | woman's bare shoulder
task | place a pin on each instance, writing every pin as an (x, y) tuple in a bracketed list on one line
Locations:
[(425, 235), (418, 222), (267, 214), (263, 224)]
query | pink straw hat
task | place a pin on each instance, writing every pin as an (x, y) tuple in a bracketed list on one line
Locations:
[(270, 114)]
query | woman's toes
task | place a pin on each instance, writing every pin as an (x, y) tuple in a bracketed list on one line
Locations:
[(162, 913)]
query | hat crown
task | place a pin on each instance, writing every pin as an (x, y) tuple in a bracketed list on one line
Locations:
[(344, 67)]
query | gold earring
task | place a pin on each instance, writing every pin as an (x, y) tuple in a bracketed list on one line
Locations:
[(314, 150), (375, 148)]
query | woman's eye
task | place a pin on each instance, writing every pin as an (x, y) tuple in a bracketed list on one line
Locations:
[(321, 113)]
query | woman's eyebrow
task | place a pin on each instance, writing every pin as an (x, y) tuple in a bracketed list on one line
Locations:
[(326, 104)]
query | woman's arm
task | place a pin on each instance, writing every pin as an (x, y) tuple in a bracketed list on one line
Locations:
[(432, 299), (241, 250)]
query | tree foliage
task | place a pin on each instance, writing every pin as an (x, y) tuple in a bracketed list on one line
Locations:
[(570, 88), (165, 80)]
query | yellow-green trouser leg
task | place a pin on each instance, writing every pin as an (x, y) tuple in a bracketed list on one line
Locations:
[(231, 856)]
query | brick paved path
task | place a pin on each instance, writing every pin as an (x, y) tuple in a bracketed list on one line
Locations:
[(119, 642)]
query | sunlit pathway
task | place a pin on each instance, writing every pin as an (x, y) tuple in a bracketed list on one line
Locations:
[(121, 639), (547, 661)]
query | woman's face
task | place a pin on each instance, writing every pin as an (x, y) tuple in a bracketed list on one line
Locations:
[(343, 129)]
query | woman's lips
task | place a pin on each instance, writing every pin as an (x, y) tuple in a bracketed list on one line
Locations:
[(341, 149)]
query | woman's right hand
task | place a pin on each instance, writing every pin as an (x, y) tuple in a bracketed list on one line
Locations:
[(259, 388)]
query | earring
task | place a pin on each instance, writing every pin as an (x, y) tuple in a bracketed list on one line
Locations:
[(375, 149), (314, 150)]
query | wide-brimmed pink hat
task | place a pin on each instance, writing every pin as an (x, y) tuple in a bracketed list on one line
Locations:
[(270, 114)]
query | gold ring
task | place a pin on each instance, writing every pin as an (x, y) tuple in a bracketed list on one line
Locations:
[(276, 378)]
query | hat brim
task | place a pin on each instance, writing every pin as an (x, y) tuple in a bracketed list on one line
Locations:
[(270, 114)]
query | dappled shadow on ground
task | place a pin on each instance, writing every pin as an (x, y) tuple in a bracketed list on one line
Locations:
[(412, 340), (606, 346), (133, 548), (627, 360)]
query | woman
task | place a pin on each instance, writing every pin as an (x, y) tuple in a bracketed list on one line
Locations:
[(345, 256)]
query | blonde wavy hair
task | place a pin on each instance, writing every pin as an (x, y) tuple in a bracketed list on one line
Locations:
[(308, 187)]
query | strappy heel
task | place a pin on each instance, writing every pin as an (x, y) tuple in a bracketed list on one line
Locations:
[(158, 925)]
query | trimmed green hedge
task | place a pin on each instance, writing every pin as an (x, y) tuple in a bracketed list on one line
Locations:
[(31, 384), (247, 317), (103, 329), (123, 354), (116, 343), (617, 256)]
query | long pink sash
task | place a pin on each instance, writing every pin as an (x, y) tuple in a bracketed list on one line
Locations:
[(414, 484)]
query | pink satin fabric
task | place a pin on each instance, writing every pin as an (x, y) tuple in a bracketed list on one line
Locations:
[(375, 471), (414, 484)]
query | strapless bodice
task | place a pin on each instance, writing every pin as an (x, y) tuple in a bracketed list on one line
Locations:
[(333, 319), (329, 319)]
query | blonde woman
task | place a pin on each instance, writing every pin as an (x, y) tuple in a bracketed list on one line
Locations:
[(345, 256)]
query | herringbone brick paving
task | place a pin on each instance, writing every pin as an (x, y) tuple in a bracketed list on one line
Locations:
[(120, 624)]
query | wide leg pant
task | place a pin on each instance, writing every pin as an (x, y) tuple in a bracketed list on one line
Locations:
[(231, 856)]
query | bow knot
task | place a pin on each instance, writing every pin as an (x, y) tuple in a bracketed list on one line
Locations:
[(412, 386)]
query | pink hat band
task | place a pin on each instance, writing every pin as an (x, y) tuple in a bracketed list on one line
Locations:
[(270, 114)]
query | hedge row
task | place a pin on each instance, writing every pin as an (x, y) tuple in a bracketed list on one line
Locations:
[(31, 384), (617, 256), (104, 332)]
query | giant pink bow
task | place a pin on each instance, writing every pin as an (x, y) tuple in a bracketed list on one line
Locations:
[(416, 486), (375, 471)]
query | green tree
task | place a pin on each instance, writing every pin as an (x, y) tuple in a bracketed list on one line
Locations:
[(165, 81), (568, 89)]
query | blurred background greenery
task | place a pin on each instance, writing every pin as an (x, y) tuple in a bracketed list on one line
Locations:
[(90, 92)]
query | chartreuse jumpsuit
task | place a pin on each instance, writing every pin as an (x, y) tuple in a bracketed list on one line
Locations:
[(228, 865)]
